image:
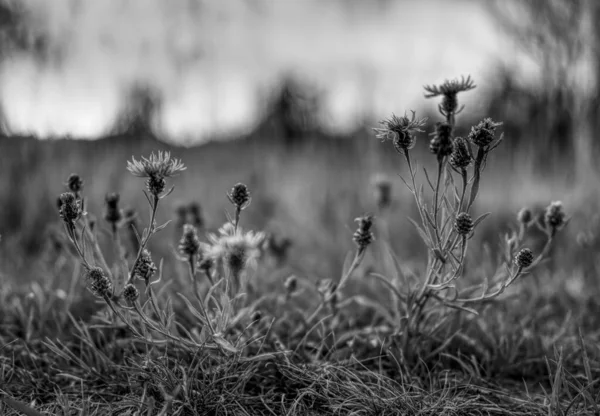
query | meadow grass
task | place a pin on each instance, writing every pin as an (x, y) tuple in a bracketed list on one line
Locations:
[(316, 328)]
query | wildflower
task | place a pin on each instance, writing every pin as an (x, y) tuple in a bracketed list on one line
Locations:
[(156, 169), (112, 213), (383, 191), (441, 142), (554, 216), (463, 224), (75, 184), (483, 133), (130, 293), (70, 208), (98, 282), (524, 216), (239, 196), (524, 258), (189, 245), (363, 235), (144, 268), (449, 91), (401, 131), (461, 155)]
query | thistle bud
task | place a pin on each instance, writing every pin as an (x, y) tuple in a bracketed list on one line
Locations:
[(554, 216), (112, 213), (363, 235), (189, 245), (145, 268), (130, 293), (524, 258), (461, 156), (156, 185), (75, 184), (525, 216), (463, 224), (70, 208), (483, 133), (239, 196), (98, 282), (441, 143)]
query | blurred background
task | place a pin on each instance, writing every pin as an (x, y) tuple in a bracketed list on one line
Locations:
[(282, 95)]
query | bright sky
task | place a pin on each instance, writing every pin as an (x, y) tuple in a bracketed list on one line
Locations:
[(213, 59)]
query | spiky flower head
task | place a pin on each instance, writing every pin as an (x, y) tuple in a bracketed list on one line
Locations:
[(70, 207), (441, 142), (239, 196), (130, 293), (156, 168), (144, 268), (383, 191), (449, 90), (524, 258), (401, 131), (461, 154), (74, 184), (483, 133), (189, 245), (112, 213), (98, 282), (525, 216), (463, 224), (363, 235), (555, 216)]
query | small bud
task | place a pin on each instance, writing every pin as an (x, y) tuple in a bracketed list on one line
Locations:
[(524, 258), (463, 224), (145, 267), (130, 293), (461, 156), (189, 245), (74, 184), (239, 196), (554, 216), (525, 216), (112, 213), (70, 208), (483, 133), (441, 143), (98, 282), (363, 235)]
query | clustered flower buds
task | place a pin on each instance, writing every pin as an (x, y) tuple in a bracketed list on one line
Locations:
[(70, 208), (145, 268), (363, 235), (441, 143), (483, 133), (555, 216), (112, 213), (189, 245), (130, 293), (461, 156), (239, 196), (524, 258), (98, 282), (463, 224)]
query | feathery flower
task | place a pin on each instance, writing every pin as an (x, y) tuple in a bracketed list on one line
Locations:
[(400, 130), (449, 91), (156, 169)]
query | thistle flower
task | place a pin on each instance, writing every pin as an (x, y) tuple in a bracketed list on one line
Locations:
[(239, 196), (130, 293), (483, 133), (112, 213), (75, 184), (441, 142), (156, 169), (524, 258), (70, 208), (525, 216), (555, 216), (363, 235), (144, 268), (463, 224), (98, 282), (189, 245), (401, 131), (382, 191), (449, 91)]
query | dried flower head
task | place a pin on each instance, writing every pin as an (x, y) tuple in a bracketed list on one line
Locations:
[(130, 293), (239, 196), (75, 184), (144, 268), (525, 216), (98, 282), (461, 154), (382, 186), (189, 245), (449, 91), (463, 224), (441, 142), (156, 169), (524, 258), (555, 216), (363, 235), (401, 131), (112, 213), (70, 207), (483, 133)]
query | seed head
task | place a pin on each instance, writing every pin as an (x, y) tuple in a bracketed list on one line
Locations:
[(524, 258), (461, 155), (130, 293), (463, 224), (112, 213), (70, 207), (401, 131), (555, 216), (145, 268), (441, 142), (98, 282), (363, 235), (525, 216), (189, 245), (239, 196), (75, 184), (483, 133)]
